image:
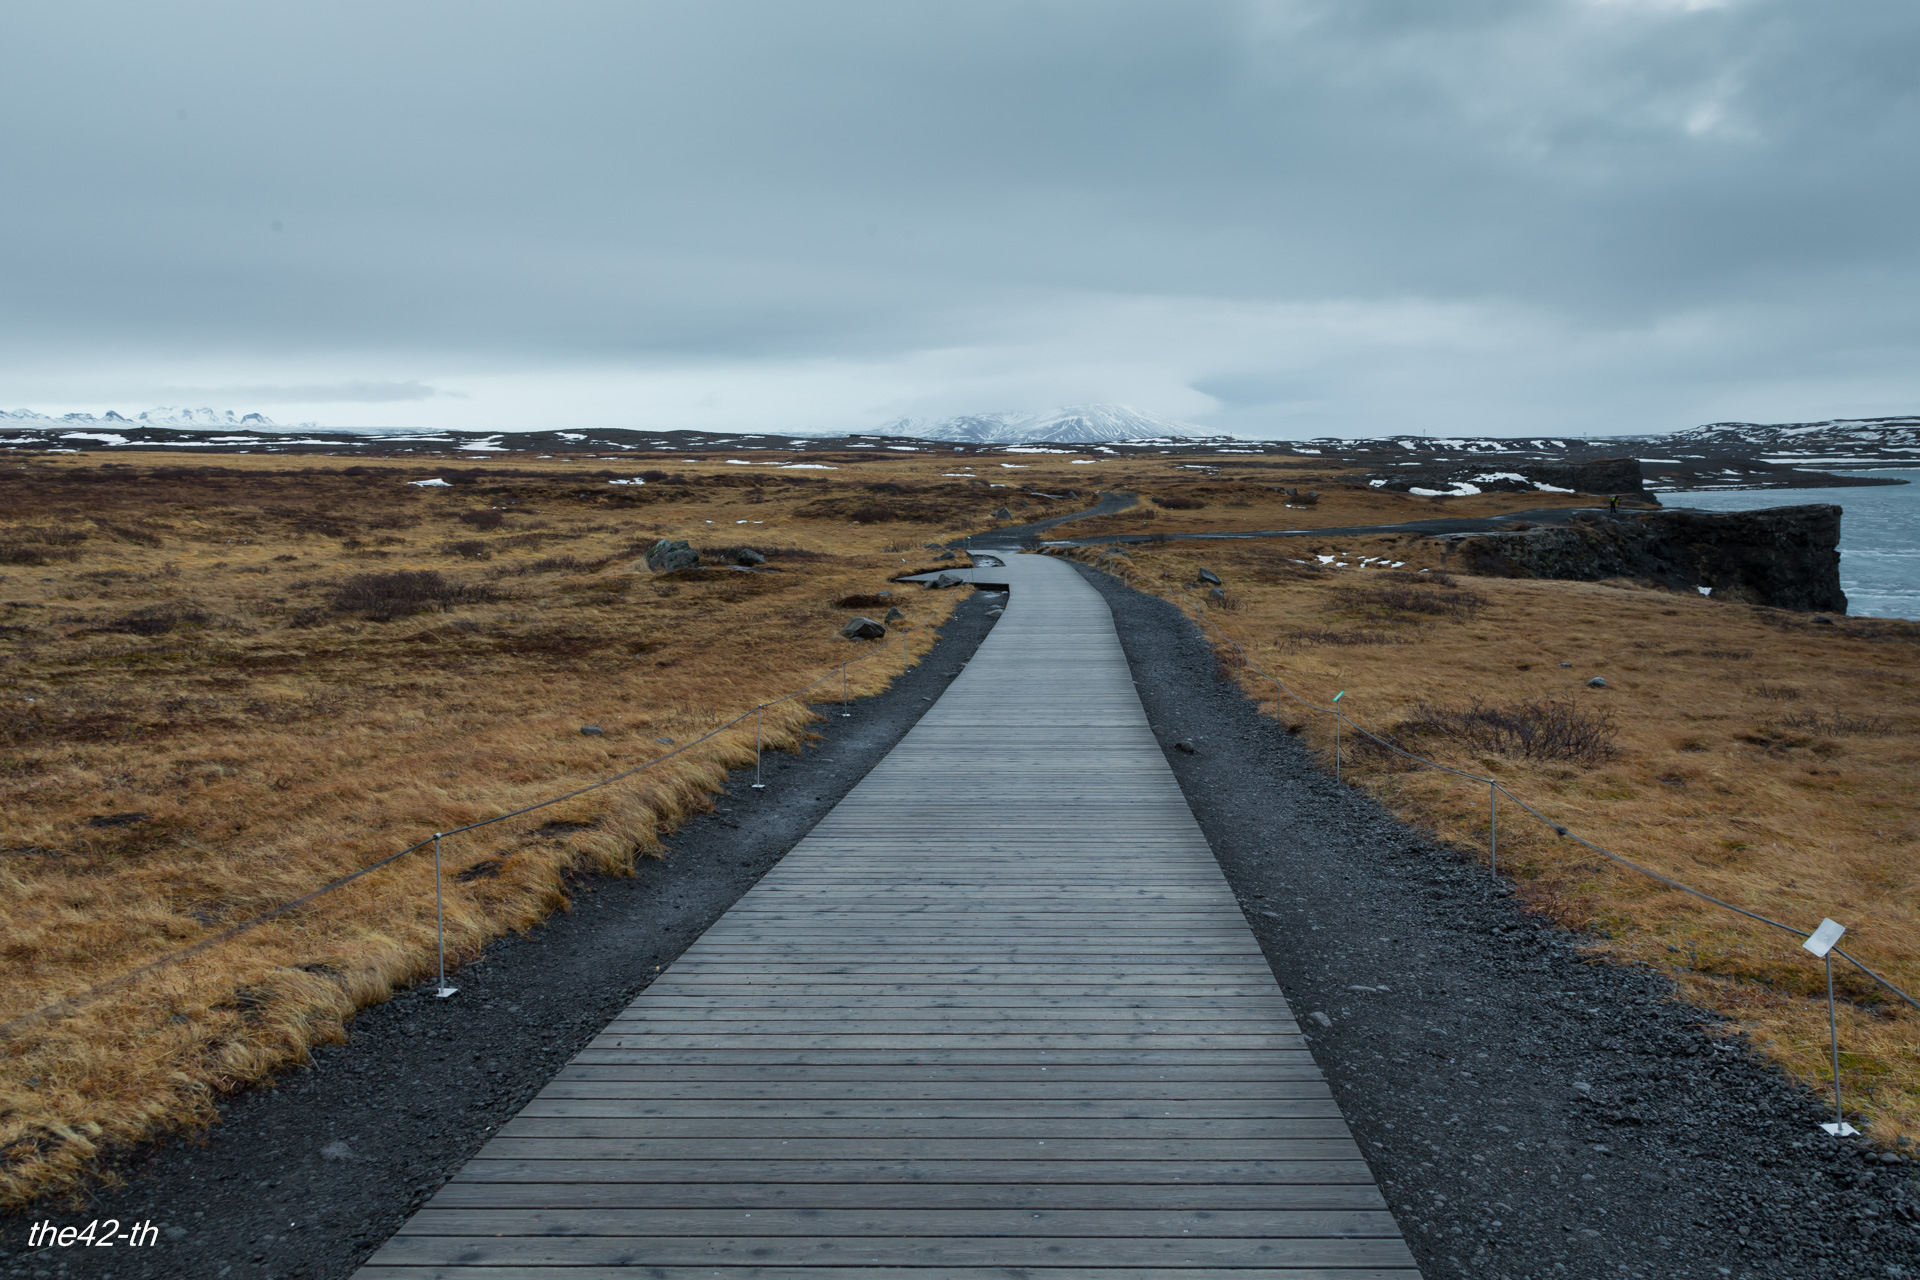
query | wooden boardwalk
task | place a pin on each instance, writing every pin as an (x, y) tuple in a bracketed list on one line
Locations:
[(998, 1014)]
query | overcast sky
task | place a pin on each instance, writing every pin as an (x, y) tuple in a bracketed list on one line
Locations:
[(1291, 218)]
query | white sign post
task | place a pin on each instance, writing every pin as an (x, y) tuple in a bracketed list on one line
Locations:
[(1821, 942)]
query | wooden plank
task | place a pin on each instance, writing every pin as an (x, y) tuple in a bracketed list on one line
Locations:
[(1089, 1223), (949, 1039), (910, 1251), (743, 1196)]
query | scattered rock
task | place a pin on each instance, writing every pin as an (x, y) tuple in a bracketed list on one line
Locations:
[(994, 613), (1598, 682), (1218, 593), (944, 555), (1822, 620), (863, 629), (592, 731), (337, 1150), (665, 742), (116, 819), (947, 580), (1321, 1018), (1208, 575), (669, 554), (748, 556), (1186, 745), (1566, 664), (893, 615), (1003, 514)]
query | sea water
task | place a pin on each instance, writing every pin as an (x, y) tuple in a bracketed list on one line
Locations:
[(1879, 535)]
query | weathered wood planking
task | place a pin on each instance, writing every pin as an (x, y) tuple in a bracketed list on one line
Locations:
[(997, 1010)]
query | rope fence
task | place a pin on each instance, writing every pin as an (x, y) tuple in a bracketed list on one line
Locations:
[(68, 1004)]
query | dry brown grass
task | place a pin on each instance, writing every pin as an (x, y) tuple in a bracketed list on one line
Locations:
[(1746, 751), (228, 684)]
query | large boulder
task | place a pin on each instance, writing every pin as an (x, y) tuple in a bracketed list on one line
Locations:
[(669, 554), (947, 580), (863, 629), (748, 556)]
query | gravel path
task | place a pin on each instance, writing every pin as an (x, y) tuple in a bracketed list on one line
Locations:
[(306, 1179), (1529, 1113)]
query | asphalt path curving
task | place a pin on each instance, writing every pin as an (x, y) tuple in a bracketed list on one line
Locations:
[(304, 1179), (1528, 1110)]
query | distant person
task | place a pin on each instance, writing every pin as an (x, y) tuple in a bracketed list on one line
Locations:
[(1613, 502)]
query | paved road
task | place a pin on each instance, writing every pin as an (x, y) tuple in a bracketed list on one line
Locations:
[(997, 1010)]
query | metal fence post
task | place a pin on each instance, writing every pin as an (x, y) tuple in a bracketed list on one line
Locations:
[(844, 713), (758, 712), (1821, 942), (440, 922)]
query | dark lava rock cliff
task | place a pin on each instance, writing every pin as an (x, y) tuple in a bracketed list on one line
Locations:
[(1788, 557)]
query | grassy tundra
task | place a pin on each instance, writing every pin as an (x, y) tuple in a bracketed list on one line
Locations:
[(226, 685), (1745, 751)]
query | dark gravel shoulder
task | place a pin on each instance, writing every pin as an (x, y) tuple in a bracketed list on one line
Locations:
[(307, 1178), (1530, 1112)]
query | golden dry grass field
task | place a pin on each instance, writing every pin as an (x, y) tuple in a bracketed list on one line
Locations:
[(1746, 751), (218, 696), (228, 681)]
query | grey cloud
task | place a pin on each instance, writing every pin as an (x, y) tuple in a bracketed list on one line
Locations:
[(315, 393), (500, 184)]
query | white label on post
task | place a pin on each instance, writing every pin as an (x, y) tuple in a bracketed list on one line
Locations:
[(1824, 937)]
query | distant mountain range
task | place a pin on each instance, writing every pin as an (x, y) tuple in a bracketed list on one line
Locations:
[(1082, 424), (162, 417)]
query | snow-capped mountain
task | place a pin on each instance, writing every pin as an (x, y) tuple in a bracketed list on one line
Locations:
[(1839, 434), (1084, 424), (164, 416)]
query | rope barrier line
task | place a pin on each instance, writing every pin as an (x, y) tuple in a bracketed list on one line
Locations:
[(1496, 786), (67, 1004)]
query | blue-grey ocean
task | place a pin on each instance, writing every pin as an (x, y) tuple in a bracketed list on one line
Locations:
[(1879, 536)]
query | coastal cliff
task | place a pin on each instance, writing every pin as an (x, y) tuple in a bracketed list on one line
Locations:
[(1787, 557)]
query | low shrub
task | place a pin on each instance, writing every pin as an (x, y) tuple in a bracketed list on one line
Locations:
[(382, 597), (1532, 730)]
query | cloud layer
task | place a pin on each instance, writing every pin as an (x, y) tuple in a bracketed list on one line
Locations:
[(1287, 218)]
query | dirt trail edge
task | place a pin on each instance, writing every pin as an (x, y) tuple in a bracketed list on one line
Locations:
[(1528, 1111), (307, 1178)]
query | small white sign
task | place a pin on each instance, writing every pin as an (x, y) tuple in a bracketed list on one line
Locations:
[(1840, 1129), (1824, 937)]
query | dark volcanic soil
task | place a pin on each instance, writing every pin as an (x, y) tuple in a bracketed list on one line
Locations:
[(1529, 1112), (307, 1179)]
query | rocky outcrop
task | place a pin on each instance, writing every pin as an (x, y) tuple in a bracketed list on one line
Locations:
[(1495, 475), (1788, 557)]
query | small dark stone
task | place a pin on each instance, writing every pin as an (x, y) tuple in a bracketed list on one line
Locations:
[(1218, 593), (593, 731), (893, 615), (748, 556), (944, 555), (1003, 514), (1186, 745), (1821, 619), (116, 819), (1208, 575), (1598, 682), (863, 629), (947, 580)]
